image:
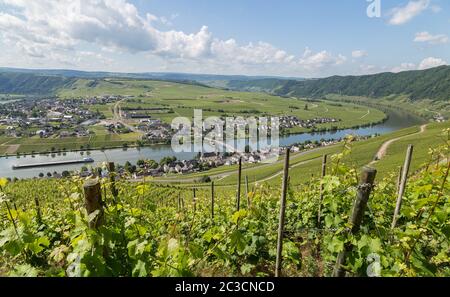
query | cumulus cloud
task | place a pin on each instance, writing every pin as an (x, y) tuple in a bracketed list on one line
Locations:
[(426, 63), (359, 54), (311, 60), (436, 8), (431, 39), (404, 67), (431, 62), (403, 14), (48, 29)]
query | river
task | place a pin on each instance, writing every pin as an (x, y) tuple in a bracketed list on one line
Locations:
[(397, 120)]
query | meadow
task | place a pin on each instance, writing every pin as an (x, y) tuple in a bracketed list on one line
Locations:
[(183, 98)]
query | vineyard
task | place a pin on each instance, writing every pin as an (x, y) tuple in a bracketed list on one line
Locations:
[(109, 227)]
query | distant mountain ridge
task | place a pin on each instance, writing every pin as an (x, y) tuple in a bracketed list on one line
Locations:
[(143, 75), (432, 84)]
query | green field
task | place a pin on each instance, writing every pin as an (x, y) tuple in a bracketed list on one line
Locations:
[(183, 98)]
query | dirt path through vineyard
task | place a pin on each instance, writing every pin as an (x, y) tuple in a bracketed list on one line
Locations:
[(383, 149)]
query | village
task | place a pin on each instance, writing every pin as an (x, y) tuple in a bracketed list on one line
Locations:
[(56, 118), (288, 122), (64, 118), (203, 162), (51, 117)]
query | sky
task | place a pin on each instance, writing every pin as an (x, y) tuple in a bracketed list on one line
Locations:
[(300, 38)]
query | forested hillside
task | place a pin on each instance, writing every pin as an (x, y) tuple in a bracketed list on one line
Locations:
[(424, 84), (30, 84)]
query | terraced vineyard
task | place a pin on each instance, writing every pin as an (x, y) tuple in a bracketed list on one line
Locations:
[(147, 229)]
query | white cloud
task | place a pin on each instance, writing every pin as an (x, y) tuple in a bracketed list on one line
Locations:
[(426, 63), (365, 69), (259, 53), (431, 39), (321, 59), (60, 32), (431, 62), (404, 67), (403, 14), (359, 54), (436, 8)]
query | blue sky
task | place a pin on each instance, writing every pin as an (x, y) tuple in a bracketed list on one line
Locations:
[(302, 38)]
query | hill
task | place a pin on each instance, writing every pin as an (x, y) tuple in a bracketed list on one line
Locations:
[(31, 84), (423, 84), (167, 76)]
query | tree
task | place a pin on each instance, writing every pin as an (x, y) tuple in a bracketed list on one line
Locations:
[(205, 179), (49, 174), (130, 168), (168, 160), (41, 175), (140, 163), (306, 107), (65, 174), (152, 164)]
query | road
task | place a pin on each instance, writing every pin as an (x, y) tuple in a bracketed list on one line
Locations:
[(117, 117), (385, 146), (368, 112)]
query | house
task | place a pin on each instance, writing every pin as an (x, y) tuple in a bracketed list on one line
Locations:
[(178, 168), (208, 157), (41, 133), (54, 115), (64, 134)]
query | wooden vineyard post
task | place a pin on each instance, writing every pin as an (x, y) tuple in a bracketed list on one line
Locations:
[(238, 195), (282, 215), (322, 187), (401, 190), (38, 210), (179, 201), (93, 202), (194, 191), (212, 200), (399, 180), (359, 207), (438, 161), (112, 180), (247, 190)]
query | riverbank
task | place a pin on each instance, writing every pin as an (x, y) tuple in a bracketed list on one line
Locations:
[(119, 155), (61, 146)]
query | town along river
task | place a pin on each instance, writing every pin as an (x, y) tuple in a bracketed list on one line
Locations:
[(397, 120)]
